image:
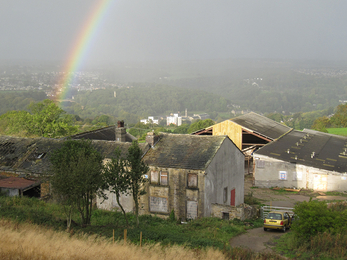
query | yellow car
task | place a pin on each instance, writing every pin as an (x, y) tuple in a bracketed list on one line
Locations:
[(277, 220)]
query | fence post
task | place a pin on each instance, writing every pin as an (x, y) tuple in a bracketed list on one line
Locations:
[(113, 236), (141, 239), (262, 212), (125, 235)]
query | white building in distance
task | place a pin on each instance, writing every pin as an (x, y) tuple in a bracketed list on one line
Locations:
[(151, 119), (175, 119)]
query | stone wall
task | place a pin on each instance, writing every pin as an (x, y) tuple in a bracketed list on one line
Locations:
[(242, 212), (164, 195)]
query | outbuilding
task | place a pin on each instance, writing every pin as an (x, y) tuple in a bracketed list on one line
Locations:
[(303, 159)]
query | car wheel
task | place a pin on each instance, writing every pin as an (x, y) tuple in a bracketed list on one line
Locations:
[(265, 229), (284, 229)]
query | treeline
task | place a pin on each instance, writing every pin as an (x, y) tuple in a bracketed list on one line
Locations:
[(19, 100), (318, 120), (143, 100), (337, 120), (140, 130), (269, 90), (300, 120)]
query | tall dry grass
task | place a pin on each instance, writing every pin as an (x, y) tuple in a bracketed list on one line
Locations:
[(30, 242)]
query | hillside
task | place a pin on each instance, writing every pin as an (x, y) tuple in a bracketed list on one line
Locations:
[(143, 100)]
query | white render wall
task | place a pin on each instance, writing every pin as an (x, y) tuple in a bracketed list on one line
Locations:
[(225, 170), (111, 203), (296, 176)]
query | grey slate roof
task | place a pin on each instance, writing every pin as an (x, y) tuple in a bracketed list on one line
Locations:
[(32, 155), (261, 125), (184, 151), (106, 133), (310, 148)]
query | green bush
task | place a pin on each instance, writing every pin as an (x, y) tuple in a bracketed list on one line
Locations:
[(315, 217)]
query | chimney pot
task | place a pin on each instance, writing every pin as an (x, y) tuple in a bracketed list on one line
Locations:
[(120, 124), (151, 138)]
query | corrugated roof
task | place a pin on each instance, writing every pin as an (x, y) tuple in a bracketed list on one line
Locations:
[(16, 183), (184, 151), (261, 125), (310, 148)]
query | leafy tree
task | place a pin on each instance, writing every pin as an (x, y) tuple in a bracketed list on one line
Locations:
[(77, 176), (275, 116), (47, 120), (14, 122), (117, 179), (103, 120), (200, 124), (321, 124), (182, 129), (136, 171), (339, 119)]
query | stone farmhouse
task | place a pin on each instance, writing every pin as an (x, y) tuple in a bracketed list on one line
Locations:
[(187, 173)]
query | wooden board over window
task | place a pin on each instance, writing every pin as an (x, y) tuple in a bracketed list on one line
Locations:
[(154, 177), (192, 180), (260, 163), (192, 209), (163, 178), (158, 204)]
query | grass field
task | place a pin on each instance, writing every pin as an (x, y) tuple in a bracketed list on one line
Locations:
[(337, 131), (26, 241), (34, 229), (200, 233)]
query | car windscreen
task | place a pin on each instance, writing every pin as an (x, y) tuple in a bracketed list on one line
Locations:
[(275, 216)]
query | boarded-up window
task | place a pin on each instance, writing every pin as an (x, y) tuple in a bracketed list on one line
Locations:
[(192, 209), (260, 163), (192, 180), (158, 204), (154, 177), (163, 178)]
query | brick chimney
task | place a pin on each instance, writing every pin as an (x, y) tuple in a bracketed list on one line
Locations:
[(120, 131), (151, 138)]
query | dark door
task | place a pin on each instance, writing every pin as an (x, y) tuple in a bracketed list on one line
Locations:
[(232, 198)]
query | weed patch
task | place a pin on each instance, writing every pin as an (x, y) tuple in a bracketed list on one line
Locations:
[(200, 233)]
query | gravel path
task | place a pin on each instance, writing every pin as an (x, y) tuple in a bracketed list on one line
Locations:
[(257, 239)]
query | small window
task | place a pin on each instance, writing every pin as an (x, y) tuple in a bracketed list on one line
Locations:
[(192, 180), (283, 175), (260, 163), (154, 177), (163, 178), (225, 194), (225, 216)]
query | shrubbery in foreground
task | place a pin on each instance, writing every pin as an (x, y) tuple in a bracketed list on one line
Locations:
[(318, 232)]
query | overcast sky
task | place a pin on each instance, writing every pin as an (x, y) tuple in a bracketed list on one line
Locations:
[(176, 29)]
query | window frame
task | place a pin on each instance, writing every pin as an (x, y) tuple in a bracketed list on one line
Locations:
[(189, 178), (160, 178)]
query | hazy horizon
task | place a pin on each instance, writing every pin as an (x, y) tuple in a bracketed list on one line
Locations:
[(155, 30)]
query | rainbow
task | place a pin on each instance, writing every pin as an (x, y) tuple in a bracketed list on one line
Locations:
[(81, 46)]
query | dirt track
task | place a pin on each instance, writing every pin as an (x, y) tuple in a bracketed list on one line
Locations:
[(262, 241), (257, 239)]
